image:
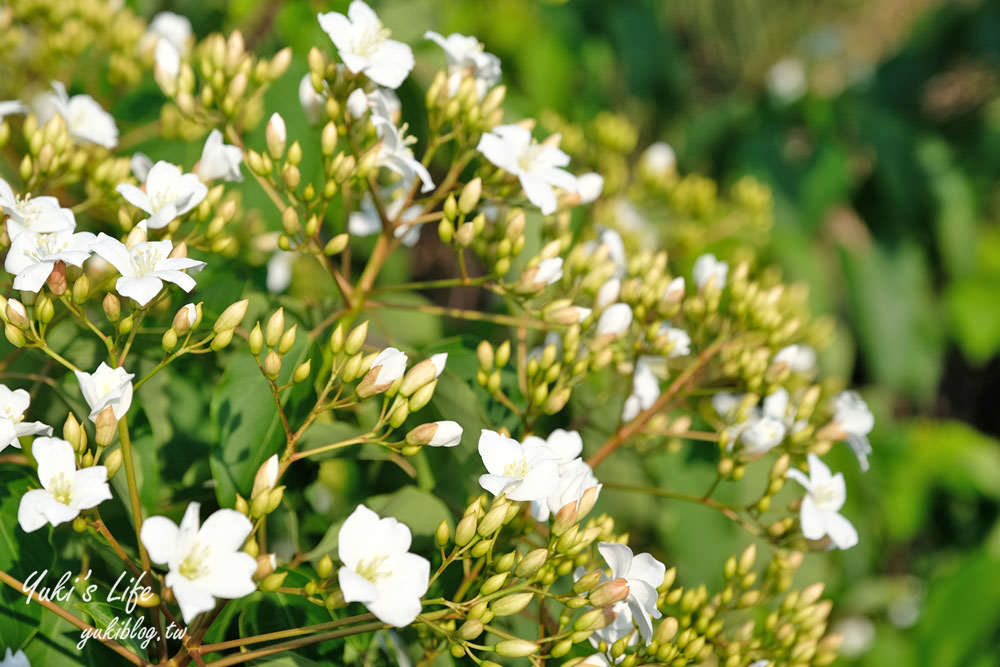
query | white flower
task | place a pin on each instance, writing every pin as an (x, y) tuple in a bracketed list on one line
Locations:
[(645, 390), (18, 659), (537, 166), (448, 434), (798, 358), (33, 214), (145, 266), (680, 341), (786, 80), (466, 57), (9, 108), (578, 488), (643, 574), (856, 421), (279, 271), (219, 160), (621, 624), (106, 386), (140, 165), (367, 221), (379, 571), (595, 660), (388, 366), (726, 404), (615, 319), (541, 275), (707, 268), (589, 187), (858, 633), (675, 290), (167, 66), (85, 119), (32, 257), (168, 27), (13, 405), (383, 103), (205, 562), (608, 293), (659, 159), (313, 103), (394, 153), (169, 193), (65, 490), (365, 47), (825, 495), (527, 471)]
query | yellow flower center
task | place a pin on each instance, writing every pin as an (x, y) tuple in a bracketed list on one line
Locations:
[(371, 568), (195, 564), (61, 488)]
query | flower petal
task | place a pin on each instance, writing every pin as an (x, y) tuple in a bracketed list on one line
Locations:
[(90, 487), (192, 598), (55, 457), (225, 530), (355, 587), (160, 535), (142, 289), (648, 569), (618, 557), (231, 574)]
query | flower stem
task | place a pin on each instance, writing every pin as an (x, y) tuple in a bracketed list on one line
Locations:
[(284, 634), (133, 488), (296, 643), (461, 314)]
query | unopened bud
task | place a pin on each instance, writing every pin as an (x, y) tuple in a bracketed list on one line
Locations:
[(511, 604), (276, 136), (515, 648), (272, 365), (107, 424), (356, 338), (231, 317), (275, 327), (336, 244), (113, 462), (609, 592), (469, 198), (112, 307)]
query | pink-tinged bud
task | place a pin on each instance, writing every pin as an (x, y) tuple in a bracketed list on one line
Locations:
[(107, 424), (57, 279), (265, 566), (675, 290), (538, 277), (565, 518), (417, 377), (387, 367), (609, 592), (136, 236), (16, 314), (185, 318)]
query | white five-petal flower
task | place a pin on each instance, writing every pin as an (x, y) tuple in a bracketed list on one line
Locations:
[(466, 57), (13, 405), (168, 192), (379, 571), (364, 45), (798, 358), (528, 471), (394, 153), (33, 214), (643, 574), (679, 340), (65, 490), (825, 495), (85, 119), (105, 387), (32, 256), (219, 160), (204, 562), (537, 166), (856, 421), (145, 266), (708, 268)]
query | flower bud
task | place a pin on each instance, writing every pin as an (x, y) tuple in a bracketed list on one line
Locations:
[(185, 318), (71, 432), (256, 339), (325, 567), (442, 534), (417, 377), (422, 397), (337, 244), (287, 340), (81, 289), (469, 198), (231, 317), (113, 461), (221, 339), (275, 327), (493, 520), (302, 371), (356, 338), (107, 424), (515, 648), (470, 629), (609, 592), (169, 340), (275, 136), (112, 307), (16, 313), (531, 563), (266, 477), (466, 530), (272, 365), (273, 582), (511, 604), (587, 582)]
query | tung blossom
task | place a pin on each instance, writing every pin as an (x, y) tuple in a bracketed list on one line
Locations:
[(204, 562), (65, 490), (219, 160), (537, 166), (364, 45), (13, 405), (825, 495), (170, 193), (85, 119), (708, 268), (145, 266), (643, 574), (528, 471), (394, 153), (379, 571), (466, 57), (855, 421), (388, 366), (106, 387), (32, 257), (33, 214)]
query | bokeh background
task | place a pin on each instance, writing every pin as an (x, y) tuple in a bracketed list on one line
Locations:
[(877, 125)]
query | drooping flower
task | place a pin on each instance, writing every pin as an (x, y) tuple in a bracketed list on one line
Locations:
[(85, 119), (18, 659), (33, 256), (527, 471), (645, 390), (169, 193), (33, 214), (145, 266), (615, 320), (204, 562), (219, 160), (537, 166), (379, 571), (364, 45), (394, 153), (367, 220), (65, 490), (105, 387), (825, 495), (13, 405), (643, 574), (856, 421), (798, 358), (311, 101), (708, 268), (466, 57)]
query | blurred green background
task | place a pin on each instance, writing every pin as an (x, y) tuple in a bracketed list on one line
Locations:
[(877, 125)]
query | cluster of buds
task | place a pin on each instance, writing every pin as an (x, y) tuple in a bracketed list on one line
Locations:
[(279, 341)]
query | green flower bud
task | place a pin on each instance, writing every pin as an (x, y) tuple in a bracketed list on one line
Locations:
[(221, 340), (113, 462), (442, 534), (272, 365), (466, 530), (356, 338), (493, 520), (232, 316), (302, 371), (422, 396), (493, 584), (169, 340), (337, 244), (287, 340), (272, 582), (515, 648), (325, 567), (469, 198), (511, 604), (275, 327), (531, 563), (256, 339)]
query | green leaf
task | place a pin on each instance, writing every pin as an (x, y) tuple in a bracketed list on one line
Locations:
[(955, 222), (974, 316)]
